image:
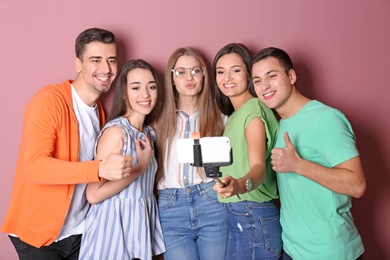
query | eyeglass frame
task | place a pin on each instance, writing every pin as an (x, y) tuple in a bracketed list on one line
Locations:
[(189, 69)]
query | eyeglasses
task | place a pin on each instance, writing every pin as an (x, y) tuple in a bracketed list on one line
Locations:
[(181, 73)]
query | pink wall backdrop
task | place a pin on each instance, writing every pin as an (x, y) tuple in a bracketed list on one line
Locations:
[(340, 49)]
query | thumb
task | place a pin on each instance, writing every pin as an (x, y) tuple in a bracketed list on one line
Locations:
[(138, 144), (119, 147), (147, 141), (287, 140)]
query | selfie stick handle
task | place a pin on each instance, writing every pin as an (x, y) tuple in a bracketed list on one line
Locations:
[(197, 152)]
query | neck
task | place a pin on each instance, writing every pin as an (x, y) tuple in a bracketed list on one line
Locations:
[(293, 104), (240, 100), (88, 97), (136, 120), (187, 104)]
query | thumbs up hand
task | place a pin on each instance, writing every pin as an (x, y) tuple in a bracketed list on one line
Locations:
[(286, 159), (116, 166)]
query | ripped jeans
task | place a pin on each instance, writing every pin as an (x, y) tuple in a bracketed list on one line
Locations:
[(254, 230)]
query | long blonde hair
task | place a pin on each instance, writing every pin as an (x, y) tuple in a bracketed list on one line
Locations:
[(210, 120)]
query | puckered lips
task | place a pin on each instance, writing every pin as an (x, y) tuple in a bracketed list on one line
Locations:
[(190, 85)]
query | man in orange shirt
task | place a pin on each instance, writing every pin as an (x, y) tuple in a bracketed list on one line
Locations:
[(46, 214)]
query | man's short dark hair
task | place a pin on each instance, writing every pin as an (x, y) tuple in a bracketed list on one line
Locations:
[(282, 56), (92, 35)]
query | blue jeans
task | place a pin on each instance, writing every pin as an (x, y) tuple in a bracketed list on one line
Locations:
[(67, 248), (286, 256), (254, 230), (193, 222)]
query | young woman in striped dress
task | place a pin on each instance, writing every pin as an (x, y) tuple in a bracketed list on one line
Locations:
[(123, 221)]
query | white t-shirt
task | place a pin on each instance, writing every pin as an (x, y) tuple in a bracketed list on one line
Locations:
[(89, 127)]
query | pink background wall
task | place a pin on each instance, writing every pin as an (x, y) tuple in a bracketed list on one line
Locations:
[(340, 49)]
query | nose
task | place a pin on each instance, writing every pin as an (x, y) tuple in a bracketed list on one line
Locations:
[(145, 92), (105, 66), (189, 75), (265, 85), (227, 76)]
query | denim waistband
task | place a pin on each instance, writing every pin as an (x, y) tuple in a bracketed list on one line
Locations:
[(190, 189)]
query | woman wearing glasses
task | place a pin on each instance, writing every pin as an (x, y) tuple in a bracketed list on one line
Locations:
[(192, 219), (248, 198)]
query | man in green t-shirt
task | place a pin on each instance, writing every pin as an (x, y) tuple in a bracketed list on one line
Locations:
[(317, 163)]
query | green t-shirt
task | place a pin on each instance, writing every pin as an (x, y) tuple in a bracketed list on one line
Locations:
[(317, 222), (235, 130)]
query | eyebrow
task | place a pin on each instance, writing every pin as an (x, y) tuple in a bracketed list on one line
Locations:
[(100, 57), (233, 66), (182, 67), (267, 73), (94, 57), (137, 82)]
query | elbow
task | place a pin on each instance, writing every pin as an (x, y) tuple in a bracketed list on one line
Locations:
[(360, 190), (92, 198)]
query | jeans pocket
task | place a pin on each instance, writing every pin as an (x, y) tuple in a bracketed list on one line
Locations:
[(210, 194), (165, 202), (272, 231)]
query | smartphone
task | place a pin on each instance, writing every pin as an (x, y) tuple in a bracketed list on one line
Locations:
[(216, 150)]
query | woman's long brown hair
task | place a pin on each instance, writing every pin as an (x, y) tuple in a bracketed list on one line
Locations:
[(210, 120)]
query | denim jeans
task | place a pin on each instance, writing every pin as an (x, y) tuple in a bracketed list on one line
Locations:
[(193, 222), (67, 248), (254, 230)]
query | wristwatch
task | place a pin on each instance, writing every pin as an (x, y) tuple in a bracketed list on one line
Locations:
[(248, 184)]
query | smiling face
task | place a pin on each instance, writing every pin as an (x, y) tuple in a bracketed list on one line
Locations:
[(231, 76), (272, 84), (189, 85), (98, 67), (141, 91)]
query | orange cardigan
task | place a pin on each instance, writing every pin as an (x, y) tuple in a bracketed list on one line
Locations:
[(47, 168)]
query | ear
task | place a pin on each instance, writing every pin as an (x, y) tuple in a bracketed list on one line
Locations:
[(77, 64), (293, 76)]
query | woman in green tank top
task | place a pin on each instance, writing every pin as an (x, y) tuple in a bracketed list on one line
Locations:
[(250, 184)]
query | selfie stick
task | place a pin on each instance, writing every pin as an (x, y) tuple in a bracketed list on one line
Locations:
[(197, 150), (212, 171)]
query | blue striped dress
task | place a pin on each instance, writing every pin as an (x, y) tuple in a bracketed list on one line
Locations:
[(127, 225)]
